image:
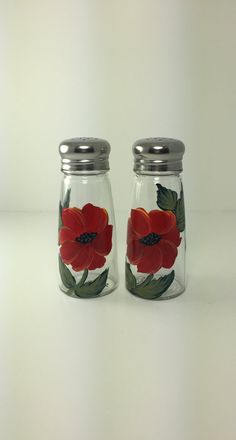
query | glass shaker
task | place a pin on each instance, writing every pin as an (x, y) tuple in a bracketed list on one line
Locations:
[(155, 262), (87, 238)]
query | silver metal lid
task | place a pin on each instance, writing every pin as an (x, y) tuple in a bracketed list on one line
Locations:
[(158, 154), (84, 154)]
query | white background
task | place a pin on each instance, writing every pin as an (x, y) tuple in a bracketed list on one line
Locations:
[(118, 70), (116, 368)]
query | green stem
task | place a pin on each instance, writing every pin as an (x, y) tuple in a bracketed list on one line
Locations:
[(83, 279)]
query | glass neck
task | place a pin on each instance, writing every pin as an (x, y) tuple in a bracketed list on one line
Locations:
[(85, 173), (157, 173)]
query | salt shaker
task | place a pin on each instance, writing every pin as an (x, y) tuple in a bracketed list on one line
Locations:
[(87, 238), (155, 262)]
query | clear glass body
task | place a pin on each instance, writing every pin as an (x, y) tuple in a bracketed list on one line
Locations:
[(87, 236), (155, 261)]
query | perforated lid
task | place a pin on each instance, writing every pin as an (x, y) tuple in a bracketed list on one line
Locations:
[(158, 154), (84, 154)]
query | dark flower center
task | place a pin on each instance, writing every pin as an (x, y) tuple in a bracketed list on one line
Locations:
[(86, 238), (150, 239)]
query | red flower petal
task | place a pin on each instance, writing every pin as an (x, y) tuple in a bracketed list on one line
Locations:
[(97, 262), (151, 260), (140, 222), (83, 258), (66, 234), (174, 236), (162, 221), (73, 219), (130, 232), (96, 219), (169, 253), (69, 251), (102, 244), (134, 251)]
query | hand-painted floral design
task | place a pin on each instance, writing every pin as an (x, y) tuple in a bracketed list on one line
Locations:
[(152, 240), (85, 237)]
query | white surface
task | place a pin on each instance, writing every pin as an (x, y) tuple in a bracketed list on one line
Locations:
[(119, 70), (117, 367)]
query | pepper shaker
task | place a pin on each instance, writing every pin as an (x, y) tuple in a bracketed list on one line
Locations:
[(87, 238), (155, 262)]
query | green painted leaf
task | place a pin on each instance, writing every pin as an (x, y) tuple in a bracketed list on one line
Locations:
[(147, 280), (66, 200), (150, 288), (180, 212), (60, 224), (65, 204), (166, 198), (92, 288), (130, 278), (66, 277), (155, 288)]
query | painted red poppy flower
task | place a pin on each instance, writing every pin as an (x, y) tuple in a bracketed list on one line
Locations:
[(85, 237), (152, 239)]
